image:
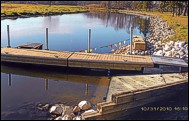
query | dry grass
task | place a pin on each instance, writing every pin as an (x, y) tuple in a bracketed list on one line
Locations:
[(29, 9)]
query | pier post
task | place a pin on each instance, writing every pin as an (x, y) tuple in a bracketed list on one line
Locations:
[(9, 80), (86, 89), (8, 34), (89, 40), (46, 84), (47, 47), (131, 39)]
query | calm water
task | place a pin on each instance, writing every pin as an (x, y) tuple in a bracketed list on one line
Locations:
[(21, 86), (70, 32)]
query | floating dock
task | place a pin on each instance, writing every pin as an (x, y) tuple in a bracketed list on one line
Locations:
[(93, 60), (76, 59)]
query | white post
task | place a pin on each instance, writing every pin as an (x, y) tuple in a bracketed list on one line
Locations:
[(47, 48), (8, 34), (89, 40), (131, 38)]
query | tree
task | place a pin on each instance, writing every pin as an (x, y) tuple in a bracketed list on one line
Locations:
[(185, 10)]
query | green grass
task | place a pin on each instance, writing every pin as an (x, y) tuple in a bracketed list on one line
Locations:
[(29, 9), (178, 23)]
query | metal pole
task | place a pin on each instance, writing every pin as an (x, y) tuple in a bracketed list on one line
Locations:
[(131, 38), (9, 80), (86, 89), (89, 40), (8, 33), (47, 47), (46, 84)]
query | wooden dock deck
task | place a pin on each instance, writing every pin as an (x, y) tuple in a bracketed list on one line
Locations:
[(134, 91), (76, 59)]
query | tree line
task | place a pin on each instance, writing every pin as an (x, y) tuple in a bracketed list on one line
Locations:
[(176, 7)]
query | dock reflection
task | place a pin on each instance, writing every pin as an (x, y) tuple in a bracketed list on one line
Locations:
[(51, 75)]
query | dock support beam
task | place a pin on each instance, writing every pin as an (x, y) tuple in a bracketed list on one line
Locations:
[(47, 47), (46, 84), (8, 34), (9, 79), (89, 41), (131, 39), (86, 89)]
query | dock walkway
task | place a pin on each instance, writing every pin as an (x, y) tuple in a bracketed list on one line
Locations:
[(76, 59)]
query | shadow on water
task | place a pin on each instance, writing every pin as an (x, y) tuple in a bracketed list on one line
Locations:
[(98, 80), (23, 87), (5, 67)]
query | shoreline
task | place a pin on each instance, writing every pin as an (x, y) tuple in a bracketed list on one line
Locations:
[(159, 31), (39, 15)]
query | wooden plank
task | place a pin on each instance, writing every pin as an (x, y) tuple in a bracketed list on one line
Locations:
[(103, 61)]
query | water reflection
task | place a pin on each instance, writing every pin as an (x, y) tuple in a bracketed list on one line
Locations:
[(32, 85), (122, 21), (69, 32), (46, 85)]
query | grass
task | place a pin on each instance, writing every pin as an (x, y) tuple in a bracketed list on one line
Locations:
[(30, 9), (178, 23)]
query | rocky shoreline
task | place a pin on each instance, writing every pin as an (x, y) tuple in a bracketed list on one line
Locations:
[(159, 31), (63, 112)]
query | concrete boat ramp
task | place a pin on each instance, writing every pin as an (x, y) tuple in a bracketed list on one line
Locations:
[(128, 93)]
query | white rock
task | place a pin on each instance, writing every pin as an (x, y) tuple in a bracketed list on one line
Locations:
[(169, 53), (181, 44), (56, 110), (159, 53), (67, 110), (76, 109), (171, 43), (77, 118), (84, 105), (89, 111), (167, 47), (181, 53), (177, 48), (177, 44), (67, 117), (59, 118)]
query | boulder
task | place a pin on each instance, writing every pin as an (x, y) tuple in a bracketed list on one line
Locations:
[(77, 118), (171, 43), (67, 117), (84, 105), (181, 44), (177, 48), (169, 53), (59, 118), (46, 106), (89, 111), (76, 109), (177, 44), (167, 47), (56, 110), (159, 53), (67, 110), (181, 53)]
